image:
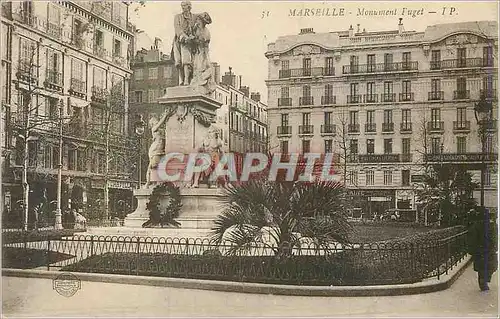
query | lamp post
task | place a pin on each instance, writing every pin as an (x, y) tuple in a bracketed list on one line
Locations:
[(140, 127), (58, 221), (482, 112)]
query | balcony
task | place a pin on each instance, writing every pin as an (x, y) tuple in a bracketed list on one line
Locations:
[(380, 67), (461, 95), (387, 127), (352, 99), (435, 127), (406, 127), (120, 61), (464, 158), (99, 94), (306, 129), (328, 129), (328, 100), (405, 97), (436, 95), (490, 125), (54, 30), (284, 130), (490, 94), (78, 88), (100, 52), (329, 71), (353, 128), (302, 72), (53, 80), (462, 63), (461, 126), (285, 101), (27, 71), (370, 127), (306, 100), (435, 65), (406, 158), (388, 97), (78, 40), (379, 158), (371, 98)]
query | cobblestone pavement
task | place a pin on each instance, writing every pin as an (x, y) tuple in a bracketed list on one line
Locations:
[(36, 298)]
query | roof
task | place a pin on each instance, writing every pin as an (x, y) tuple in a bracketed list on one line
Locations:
[(440, 31)]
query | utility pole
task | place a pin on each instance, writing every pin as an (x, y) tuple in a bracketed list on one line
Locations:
[(26, 185), (58, 221)]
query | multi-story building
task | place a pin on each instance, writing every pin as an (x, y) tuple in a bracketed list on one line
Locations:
[(386, 103), (241, 119), (66, 64)]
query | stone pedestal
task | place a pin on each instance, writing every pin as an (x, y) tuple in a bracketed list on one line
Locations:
[(140, 214)]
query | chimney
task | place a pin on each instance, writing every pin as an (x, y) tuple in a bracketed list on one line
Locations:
[(239, 82), (351, 31), (216, 69), (401, 28), (255, 96), (245, 90), (229, 78), (358, 28)]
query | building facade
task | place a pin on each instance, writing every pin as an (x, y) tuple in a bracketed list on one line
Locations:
[(65, 64), (387, 103)]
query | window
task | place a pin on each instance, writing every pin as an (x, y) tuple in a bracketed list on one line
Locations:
[(370, 177), (387, 116), (406, 88), (388, 146), (461, 115), (370, 88), (353, 146), (488, 85), (117, 48), (406, 60), (328, 118), (153, 73), (461, 57), (328, 146), (306, 119), (461, 144), (151, 96), (52, 108), (406, 116), (284, 119), (78, 76), (370, 61), (354, 62), (353, 117), (285, 65), (99, 77), (139, 74), (488, 145), (388, 61), (81, 160), (329, 69), (406, 146), (353, 177), (461, 84), (329, 90), (488, 56), (99, 38), (435, 59), (27, 61), (306, 91), (370, 117), (32, 153), (354, 89), (487, 177), (388, 87), (54, 17), (435, 117), (138, 96), (370, 146), (387, 177), (285, 92), (436, 145), (306, 146), (72, 158), (405, 177), (435, 85)]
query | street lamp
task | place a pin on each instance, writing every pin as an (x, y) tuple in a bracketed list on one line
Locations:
[(140, 127), (58, 221), (482, 112)]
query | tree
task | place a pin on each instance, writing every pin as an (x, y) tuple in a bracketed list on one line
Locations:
[(285, 212), (342, 141), (446, 192)]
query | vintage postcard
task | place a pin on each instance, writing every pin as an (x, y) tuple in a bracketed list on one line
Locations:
[(249, 158)]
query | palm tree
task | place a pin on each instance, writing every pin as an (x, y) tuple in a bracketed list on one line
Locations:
[(284, 211)]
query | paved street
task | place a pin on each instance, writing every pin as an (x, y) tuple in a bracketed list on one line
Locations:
[(35, 297)]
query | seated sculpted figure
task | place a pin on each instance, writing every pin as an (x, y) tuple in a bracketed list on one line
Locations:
[(157, 148)]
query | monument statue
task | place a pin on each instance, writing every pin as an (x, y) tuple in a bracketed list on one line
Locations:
[(182, 49), (191, 49), (212, 144), (157, 148)]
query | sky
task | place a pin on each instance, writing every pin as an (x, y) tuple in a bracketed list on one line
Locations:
[(241, 30)]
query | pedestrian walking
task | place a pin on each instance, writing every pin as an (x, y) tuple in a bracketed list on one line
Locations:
[(483, 246)]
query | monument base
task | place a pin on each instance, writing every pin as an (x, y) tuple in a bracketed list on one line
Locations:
[(140, 214)]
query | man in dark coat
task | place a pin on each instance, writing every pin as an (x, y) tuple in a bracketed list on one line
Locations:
[(483, 246)]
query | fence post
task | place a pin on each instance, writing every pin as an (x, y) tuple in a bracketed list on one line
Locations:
[(48, 254), (437, 259), (91, 246), (138, 257)]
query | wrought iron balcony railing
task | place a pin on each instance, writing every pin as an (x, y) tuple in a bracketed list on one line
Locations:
[(351, 99), (302, 72), (464, 157), (435, 126), (328, 129), (353, 128), (306, 129), (306, 100), (371, 98), (285, 101), (387, 127), (371, 127), (284, 130), (461, 126), (406, 96), (99, 94), (436, 95), (53, 80), (380, 67), (406, 127), (78, 87), (328, 99), (488, 94), (461, 95), (388, 97), (462, 63)]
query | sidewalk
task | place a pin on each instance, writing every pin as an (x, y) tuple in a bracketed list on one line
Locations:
[(35, 297)]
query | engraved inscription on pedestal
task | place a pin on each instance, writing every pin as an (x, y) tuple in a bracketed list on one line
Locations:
[(179, 135)]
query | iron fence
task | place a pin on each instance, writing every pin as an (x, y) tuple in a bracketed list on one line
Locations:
[(392, 262)]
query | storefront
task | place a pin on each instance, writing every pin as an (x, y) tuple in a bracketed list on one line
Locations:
[(373, 202)]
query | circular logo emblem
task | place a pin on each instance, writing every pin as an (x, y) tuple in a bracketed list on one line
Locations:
[(66, 284)]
